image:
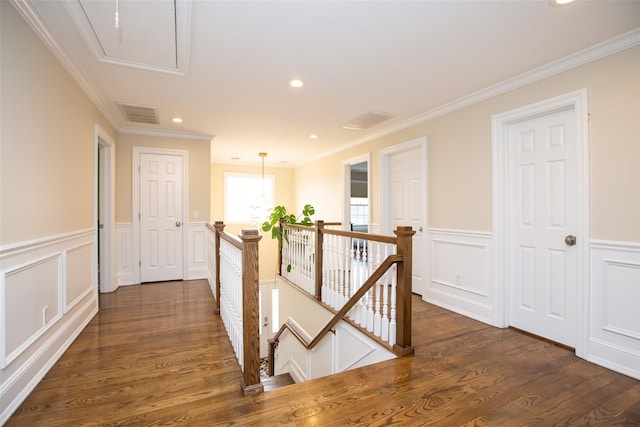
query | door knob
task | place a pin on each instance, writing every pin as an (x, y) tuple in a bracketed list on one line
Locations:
[(570, 240), (178, 223)]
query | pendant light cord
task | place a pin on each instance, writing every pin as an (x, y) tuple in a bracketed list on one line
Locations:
[(117, 13)]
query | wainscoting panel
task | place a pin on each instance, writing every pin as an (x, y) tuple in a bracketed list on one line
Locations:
[(614, 329), (124, 254), (197, 251), (195, 246), (461, 273), (31, 303), (48, 293), (78, 269)]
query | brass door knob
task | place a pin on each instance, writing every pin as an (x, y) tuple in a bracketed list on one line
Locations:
[(570, 240)]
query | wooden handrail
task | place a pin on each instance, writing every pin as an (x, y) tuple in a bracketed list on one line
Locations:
[(364, 236), (234, 240), (368, 284), (353, 234)]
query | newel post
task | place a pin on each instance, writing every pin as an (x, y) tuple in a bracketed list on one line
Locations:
[(318, 258), (250, 312), (219, 227), (404, 277)]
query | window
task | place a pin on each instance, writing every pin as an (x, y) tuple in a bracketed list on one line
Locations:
[(360, 212), (247, 197)]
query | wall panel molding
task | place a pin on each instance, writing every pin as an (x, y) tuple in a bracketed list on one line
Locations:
[(78, 263), (614, 318), (197, 251), (48, 293), (461, 273), (124, 254)]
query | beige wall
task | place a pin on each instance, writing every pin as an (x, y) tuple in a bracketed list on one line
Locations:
[(47, 140), (283, 196), (199, 172), (459, 154)]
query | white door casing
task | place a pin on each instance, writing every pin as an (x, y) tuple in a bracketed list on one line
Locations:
[(404, 199), (105, 208), (160, 189), (524, 251), (346, 188), (542, 190)]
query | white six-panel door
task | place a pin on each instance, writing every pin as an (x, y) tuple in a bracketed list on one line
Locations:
[(543, 212), (160, 217), (406, 201)]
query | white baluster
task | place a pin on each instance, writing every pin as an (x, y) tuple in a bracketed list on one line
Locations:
[(392, 321), (385, 299), (378, 291), (325, 273)]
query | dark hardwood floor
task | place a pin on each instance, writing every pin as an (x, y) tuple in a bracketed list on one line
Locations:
[(157, 355)]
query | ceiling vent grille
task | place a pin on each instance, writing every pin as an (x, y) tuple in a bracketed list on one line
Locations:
[(139, 113), (367, 120)]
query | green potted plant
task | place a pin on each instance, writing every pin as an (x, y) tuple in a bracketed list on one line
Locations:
[(273, 224)]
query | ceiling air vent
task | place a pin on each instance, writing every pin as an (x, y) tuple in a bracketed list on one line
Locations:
[(139, 113), (365, 121)]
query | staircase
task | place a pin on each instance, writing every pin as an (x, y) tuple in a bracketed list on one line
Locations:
[(363, 279), (277, 381)]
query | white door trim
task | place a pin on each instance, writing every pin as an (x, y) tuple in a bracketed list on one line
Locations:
[(107, 176), (346, 188), (385, 195), (135, 206), (499, 124)]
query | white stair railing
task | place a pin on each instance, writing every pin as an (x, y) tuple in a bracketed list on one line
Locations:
[(298, 254), (231, 295), (237, 276), (348, 260)]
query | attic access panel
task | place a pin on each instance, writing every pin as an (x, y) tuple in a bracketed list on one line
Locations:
[(152, 35)]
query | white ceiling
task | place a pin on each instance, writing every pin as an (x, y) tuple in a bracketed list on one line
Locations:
[(224, 66)]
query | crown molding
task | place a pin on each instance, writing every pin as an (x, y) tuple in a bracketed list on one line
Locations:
[(27, 10), (598, 51), (167, 134)]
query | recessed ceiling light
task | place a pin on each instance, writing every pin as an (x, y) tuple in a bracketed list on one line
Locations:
[(313, 136), (176, 120), (560, 2), (296, 83)]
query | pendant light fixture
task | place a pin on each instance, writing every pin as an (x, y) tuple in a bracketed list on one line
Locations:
[(260, 210), (262, 156)]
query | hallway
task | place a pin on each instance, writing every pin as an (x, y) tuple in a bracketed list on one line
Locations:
[(157, 355)]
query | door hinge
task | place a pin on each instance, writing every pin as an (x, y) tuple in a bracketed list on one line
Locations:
[(139, 169), (139, 215), (139, 263)]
